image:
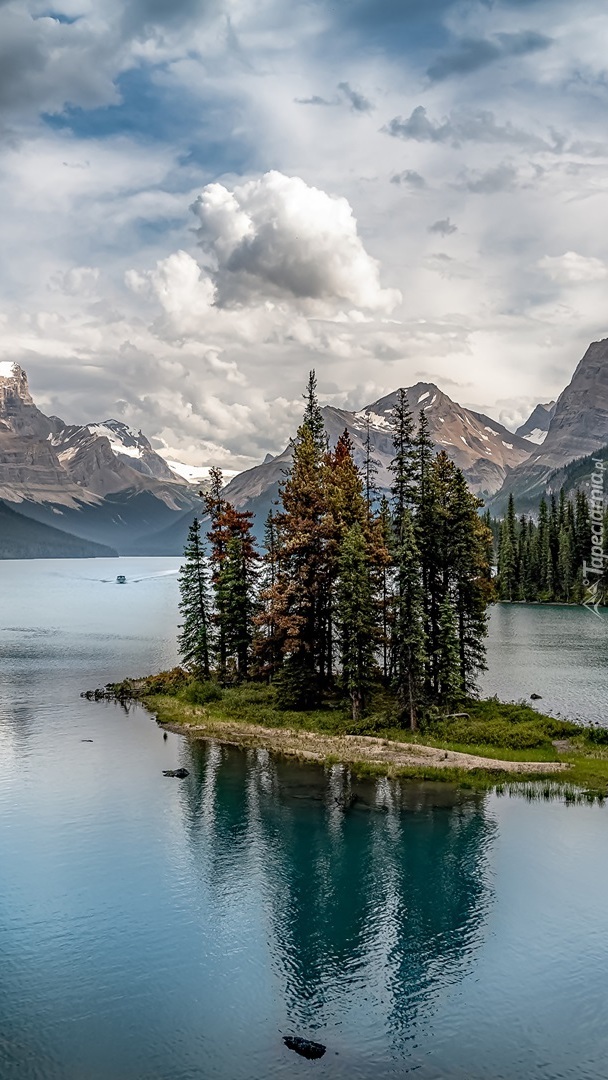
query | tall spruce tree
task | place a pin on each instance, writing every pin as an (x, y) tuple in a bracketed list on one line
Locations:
[(472, 588), (450, 688), (370, 468), (409, 643), (403, 462), (215, 505), (356, 619), (268, 638), (194, 638), (508, 575), (300, 594), (385, 591)]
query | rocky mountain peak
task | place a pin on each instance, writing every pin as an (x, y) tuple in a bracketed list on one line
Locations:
[(18, 413), (13, 385), (578, 427), (537, 425), (579, 424)]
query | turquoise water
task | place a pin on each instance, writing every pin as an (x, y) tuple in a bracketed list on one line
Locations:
[(157, 929), (558, 652)]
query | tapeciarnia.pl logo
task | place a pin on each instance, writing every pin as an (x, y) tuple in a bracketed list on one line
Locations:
[(594, 571)]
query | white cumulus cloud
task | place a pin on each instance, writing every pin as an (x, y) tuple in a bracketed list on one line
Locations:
[(572, 267), (278, 237)]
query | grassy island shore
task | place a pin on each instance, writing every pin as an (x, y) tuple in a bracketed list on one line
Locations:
[(488, 745)]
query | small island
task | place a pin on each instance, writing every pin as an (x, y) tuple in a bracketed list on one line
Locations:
[(357, 634)]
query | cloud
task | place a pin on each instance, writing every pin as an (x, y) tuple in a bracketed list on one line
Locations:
[(501, 177), (314, 100), (277, 238), (79, 281), (358, 102), (410, 178), (49, 62), (471, 54), (480, 126), (447, 267), (445, 227), (44, 62), (144, 16), (573, 268), (184, 293)]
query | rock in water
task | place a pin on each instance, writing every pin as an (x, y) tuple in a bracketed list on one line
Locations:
[(180, 773), (535, 697), (304, 1047)]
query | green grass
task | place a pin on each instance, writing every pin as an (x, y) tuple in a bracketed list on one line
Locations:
[(492, 729)]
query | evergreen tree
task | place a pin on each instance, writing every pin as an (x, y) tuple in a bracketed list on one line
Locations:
[(268, 639), (300, 594), (313, 417), (345, 506), (448, 656), (409, 641), (543, 553), (564, 565), (402, 465), (508, 556), (385, 543), (471, 586), (356, 619), (194, 632), (237, 586), (424, 523), (370, 470), (217, 536)]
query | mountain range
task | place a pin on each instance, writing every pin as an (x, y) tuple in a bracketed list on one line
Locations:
[(484, 449), (102, 483)]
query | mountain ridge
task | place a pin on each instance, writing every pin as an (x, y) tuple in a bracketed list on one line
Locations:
[(101, 483), (578, 427)]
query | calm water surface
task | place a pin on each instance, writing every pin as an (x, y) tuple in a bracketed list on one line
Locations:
[(560, 653), (155, 929)]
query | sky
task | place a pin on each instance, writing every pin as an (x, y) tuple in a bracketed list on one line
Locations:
[(201, 200)]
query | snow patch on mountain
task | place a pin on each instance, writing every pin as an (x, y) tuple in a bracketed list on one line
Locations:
[(195, 473), (537, 436)]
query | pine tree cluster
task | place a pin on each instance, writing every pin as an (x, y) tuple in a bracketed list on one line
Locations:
[(541, 559), (351, 591)]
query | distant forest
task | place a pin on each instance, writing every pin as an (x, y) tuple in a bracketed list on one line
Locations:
[(540, 557)]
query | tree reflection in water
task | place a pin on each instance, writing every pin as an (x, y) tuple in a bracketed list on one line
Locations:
[(375, 894)]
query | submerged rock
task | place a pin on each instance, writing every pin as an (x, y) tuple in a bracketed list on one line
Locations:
[(304, 1047), (180, 773), (346, 802)]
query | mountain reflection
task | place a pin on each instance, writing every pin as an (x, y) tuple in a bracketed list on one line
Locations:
[(375, 894)]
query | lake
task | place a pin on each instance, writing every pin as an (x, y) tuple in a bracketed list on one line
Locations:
[(157, 929)]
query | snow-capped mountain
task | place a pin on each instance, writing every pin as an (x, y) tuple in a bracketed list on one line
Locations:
[(102, 482), (536, 426), (480, 446), (198, 475), (91, 442)]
